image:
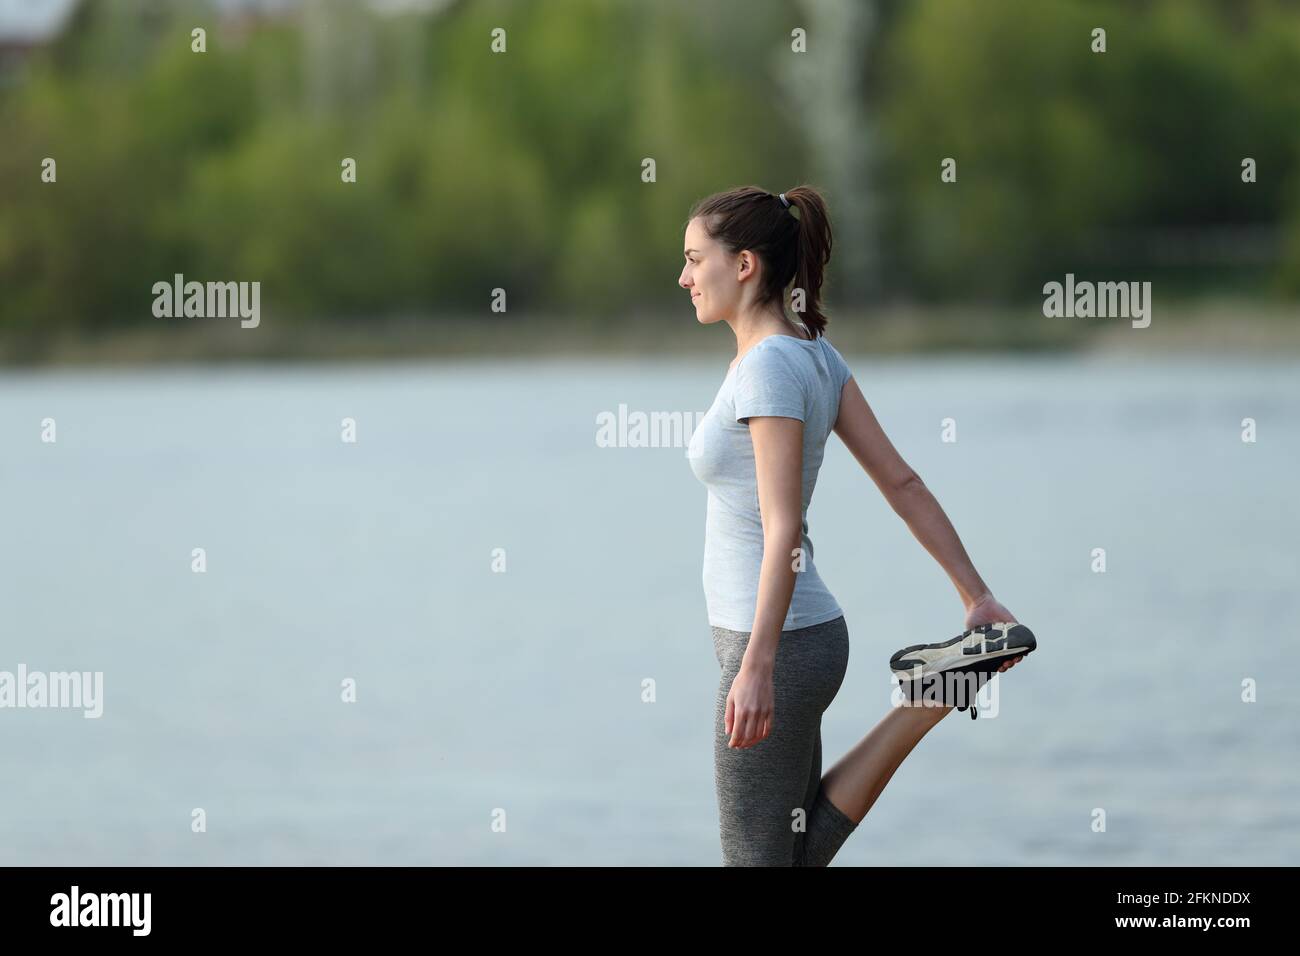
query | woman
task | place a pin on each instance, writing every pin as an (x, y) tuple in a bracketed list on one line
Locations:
[(779, 635)]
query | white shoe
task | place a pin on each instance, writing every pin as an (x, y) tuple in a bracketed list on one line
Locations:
[(952, 672)]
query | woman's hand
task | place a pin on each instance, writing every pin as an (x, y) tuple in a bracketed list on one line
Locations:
[(988, 610), (750, 703)]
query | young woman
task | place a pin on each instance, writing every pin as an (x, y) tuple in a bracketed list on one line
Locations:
[(779, 635)]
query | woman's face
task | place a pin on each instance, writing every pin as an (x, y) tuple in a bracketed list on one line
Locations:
[(712, 276)]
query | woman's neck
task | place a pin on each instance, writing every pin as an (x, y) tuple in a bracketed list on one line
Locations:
[(750, 328)]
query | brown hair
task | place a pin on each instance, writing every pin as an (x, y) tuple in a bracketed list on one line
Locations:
[(792, 248)]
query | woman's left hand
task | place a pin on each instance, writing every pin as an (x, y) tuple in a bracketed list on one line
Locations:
[(750, 703), (989, 610)]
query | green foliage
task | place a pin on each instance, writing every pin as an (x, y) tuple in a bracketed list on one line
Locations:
[(475, 170), (524, 170), (1069, 158)]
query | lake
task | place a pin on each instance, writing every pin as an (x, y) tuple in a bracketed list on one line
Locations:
[(496, 588)]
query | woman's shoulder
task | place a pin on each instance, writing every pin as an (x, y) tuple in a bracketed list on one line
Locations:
[(800, 359), (787, 350), (769, 354)]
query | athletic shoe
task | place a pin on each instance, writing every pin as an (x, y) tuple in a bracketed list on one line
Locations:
[(953, 671)]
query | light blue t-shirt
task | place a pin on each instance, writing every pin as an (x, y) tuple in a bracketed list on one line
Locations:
[(780, 375)]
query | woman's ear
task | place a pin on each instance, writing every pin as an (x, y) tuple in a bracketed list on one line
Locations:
[(746, 263)]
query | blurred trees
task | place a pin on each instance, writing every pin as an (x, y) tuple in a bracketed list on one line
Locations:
[(523, 170), (1068, 159)]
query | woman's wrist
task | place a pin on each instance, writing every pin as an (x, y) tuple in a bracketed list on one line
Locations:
[(760, 653)]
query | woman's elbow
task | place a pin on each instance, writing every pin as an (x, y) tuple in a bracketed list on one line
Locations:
[(906, 494), (783, 535), (905, 482)]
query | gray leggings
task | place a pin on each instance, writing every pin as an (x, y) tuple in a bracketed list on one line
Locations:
[(760, 787)]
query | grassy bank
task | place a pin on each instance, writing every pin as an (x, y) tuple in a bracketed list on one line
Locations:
[(1213, 327)]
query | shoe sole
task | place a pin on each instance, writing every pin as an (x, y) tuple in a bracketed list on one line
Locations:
[(980, 650), (951, 673)]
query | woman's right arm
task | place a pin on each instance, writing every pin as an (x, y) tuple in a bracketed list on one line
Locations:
[(906, 493)]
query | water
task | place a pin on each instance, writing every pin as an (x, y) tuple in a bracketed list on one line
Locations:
[(479, 692)]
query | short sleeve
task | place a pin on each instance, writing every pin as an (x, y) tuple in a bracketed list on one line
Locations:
[(767, 383), (839, 368)]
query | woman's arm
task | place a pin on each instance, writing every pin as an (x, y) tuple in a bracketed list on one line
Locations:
[(907, 493), (778, 466)]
